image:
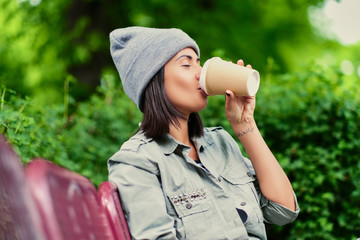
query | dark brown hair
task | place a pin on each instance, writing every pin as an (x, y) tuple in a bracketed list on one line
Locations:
[(159, 112)]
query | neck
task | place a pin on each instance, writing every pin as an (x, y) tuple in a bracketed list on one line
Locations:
[(181, 133)]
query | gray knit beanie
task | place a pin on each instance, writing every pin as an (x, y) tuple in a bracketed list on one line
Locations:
[(139, 53)]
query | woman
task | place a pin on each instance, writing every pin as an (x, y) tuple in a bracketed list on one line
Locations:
[(176, 179)]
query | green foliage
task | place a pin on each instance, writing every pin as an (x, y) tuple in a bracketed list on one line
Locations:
[(98, 128), (45, 41), (311, 122), (32, 47), (32, 131), (83, 141)]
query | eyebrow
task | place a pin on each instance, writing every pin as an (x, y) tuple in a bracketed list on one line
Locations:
[(187, 56)]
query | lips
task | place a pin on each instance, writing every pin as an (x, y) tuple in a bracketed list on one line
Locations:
[(203, 92)]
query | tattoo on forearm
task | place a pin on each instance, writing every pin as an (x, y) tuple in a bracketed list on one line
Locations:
[(245, 132)]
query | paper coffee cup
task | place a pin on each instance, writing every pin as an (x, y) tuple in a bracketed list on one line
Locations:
[(218, 75)]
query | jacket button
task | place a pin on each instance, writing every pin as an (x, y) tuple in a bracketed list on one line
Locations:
[(249, 174), (219, 179), (188, 205), (243, 203)]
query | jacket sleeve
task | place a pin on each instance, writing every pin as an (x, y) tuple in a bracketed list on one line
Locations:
[(274, 213), (141, 196)]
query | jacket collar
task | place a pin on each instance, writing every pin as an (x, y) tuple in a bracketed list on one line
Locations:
[(169, 144)]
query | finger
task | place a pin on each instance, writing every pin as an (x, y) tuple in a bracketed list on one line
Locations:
[(249, 66), (249, 98), (240, 62), (229, 93), (229, 103)]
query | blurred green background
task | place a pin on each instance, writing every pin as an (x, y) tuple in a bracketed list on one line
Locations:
[(61, 97)]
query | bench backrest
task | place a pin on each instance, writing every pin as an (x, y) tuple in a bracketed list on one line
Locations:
[(68, 203), (19, 218), (109, 198)]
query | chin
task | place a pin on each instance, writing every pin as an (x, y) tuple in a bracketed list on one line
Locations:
[(202, 107)]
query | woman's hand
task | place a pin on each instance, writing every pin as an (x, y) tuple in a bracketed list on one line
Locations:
[(239, 109)]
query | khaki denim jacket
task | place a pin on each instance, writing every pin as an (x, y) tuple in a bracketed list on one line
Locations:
[(166, 195)]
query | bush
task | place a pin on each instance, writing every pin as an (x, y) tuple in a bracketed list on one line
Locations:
[(82, 140), (309, 119), (33, 131), (99, 127)]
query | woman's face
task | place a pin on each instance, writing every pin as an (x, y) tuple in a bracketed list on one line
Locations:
[(181, 76)]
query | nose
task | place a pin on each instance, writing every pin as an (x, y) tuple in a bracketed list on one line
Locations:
[(198, 73)]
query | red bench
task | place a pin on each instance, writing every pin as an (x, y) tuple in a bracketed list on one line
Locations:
[(109, 198), (49, 202)]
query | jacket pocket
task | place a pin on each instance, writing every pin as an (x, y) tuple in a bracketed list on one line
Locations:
[(192, 207), (238, 177), (241, 185), (241, 177), (189, 202)]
